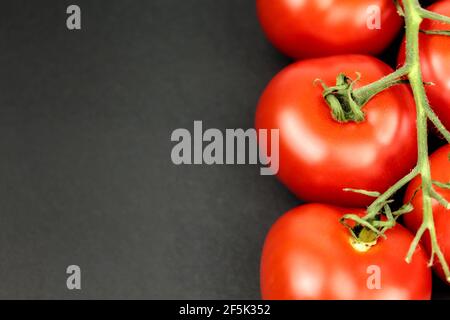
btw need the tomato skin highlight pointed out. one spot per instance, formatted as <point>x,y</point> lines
<point>307,255</point>
<point>435,62</point>
<point>317,28</point>
<point>318,156</point>
<point>440,171</point>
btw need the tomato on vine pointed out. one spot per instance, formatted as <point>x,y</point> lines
<point>315,28</point>
<point>322,151</point>
<point>308,254</point>
<point>435,62</point>
<point>440,173</point>
<point>365,134</point>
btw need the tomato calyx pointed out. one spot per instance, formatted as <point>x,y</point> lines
<point>346,102</point>
<point>365,230</point>
<point>341,100</point>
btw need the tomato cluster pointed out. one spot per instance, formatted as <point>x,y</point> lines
<point>308,253</point>
<point>435,62</point>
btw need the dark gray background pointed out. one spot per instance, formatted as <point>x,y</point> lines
<point>85,169</point>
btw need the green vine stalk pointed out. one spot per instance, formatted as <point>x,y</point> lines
<point>414,14</point>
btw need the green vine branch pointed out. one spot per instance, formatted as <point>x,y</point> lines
<point>410,72</point>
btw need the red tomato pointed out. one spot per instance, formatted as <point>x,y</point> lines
<point>440,171</point>
<point>318,156</point>
<point>315,28</point>
<point>435,62</point>
<point>308,255</point>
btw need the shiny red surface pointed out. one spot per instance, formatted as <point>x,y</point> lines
<point>307,255</point>
<point>319,156</point>
<point>314,28</point>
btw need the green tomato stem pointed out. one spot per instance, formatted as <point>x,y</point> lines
<point>436,32</point>
<point>426,14</point>
<point>379,203</point>
<point>437,123</point>
<point>364,94</point>
<point>414,15</point>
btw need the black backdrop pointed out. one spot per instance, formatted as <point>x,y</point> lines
<point>85,170</point>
